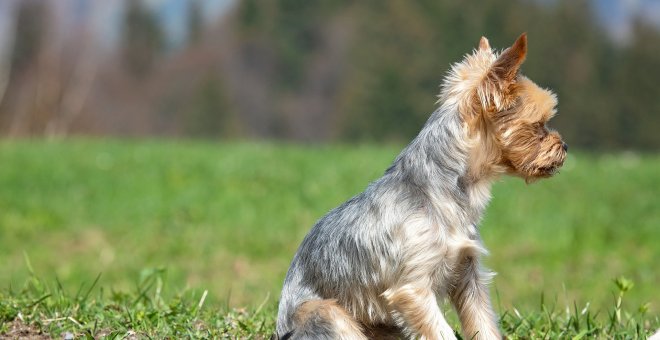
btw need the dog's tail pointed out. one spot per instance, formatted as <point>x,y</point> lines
<point>322,319</point>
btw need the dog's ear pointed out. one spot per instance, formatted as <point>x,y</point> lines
<point>497,91</point>
<point>508,63</point>
<point>484,45</point>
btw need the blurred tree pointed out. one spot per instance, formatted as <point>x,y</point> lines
<point>51,77</point>
<point>195,22</point>
<point>637,89</point>
<point>383,99</point>
<point>142,38</point>
<point>288,51</point>
<point>29,33</point>
<point>31,27</point>
<point>294,69</point>
<point>400,50</point>
<point>209,115</point>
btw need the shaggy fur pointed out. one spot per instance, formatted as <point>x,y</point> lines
<point>377,265</point>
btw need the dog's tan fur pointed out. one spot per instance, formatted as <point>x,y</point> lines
<point>330,311</point>
<point>507,115</point>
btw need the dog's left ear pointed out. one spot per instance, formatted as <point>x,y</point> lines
<point>508,63</point>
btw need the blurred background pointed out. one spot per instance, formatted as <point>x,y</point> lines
<point>200,140</point>
<point>322,71</point>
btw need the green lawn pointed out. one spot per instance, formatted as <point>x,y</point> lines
<point>227,218</point>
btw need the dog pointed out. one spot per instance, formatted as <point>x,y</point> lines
<point>376,266</point>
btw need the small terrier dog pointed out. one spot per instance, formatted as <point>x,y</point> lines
<point>376,266</point>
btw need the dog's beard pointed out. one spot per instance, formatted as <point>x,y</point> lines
<point>544,167</point>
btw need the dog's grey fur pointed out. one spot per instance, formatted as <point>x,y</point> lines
<point>386,255</point>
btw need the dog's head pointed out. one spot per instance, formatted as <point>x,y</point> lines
<point>509,113</point>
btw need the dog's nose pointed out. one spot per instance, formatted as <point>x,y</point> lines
<point>564,146</point>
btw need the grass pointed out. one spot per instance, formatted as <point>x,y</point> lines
<point>39,310</point>
<point>165,222</point>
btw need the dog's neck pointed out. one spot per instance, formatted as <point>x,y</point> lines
<point>441,162</point>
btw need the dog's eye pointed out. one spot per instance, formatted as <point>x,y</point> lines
<point>540,130</point>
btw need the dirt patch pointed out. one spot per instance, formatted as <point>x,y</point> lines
<point>19,330</point>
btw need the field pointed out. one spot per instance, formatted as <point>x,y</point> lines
<point>164,221</point>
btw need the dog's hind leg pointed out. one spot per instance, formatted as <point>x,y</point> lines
<point>323,319</point>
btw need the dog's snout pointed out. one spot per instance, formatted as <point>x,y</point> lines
<point>564,146</point>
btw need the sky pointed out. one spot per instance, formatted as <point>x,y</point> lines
<point>617,16</point>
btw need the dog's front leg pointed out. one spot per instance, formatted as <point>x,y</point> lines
<point>472,302</point>
<point>418,311</point>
